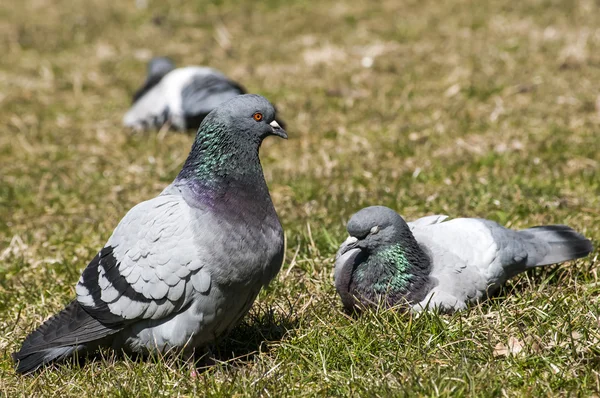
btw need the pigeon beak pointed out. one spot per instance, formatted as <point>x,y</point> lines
<point>277,130</point>
<point>348,245</point>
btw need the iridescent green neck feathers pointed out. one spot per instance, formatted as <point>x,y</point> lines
<point>387,270</point>
<point>393,274</point>
<point>219,155</point>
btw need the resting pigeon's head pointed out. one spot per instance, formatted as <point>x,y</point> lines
<point>375,226</point>
<point>159,67</point>
<point>248,116</point>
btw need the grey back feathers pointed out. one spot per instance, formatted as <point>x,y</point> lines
<point>180,269</point>
<point>432,263</point>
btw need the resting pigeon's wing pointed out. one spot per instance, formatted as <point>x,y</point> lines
<point>207,90</point>
<point>500,253</point>
<point>148,85</point>
<point>462,252</point>
<point>182,98</point>
<point>162,103</point>
<point>473,257</point>
<point>454,282</point>
<point>151,110</point>
<point>469,239</point>
<point>427,220</point>
<point>149,267</point>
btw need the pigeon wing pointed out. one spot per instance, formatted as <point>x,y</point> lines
<point>150,110</point>
<point>464,256</point>
<point>149,267</point>
<point>472,257</point>
<point>498,253</point>
<point>469,239</point>
<point>163,102</point>
<point>427,220</point>
<point>205,91</point>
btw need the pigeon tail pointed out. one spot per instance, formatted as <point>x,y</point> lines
<point>60,337</point>
<point>33,361</point>
<point>564,244</point>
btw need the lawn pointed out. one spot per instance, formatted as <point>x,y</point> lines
<point>466,108</point>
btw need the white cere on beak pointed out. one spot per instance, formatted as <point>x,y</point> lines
<point>351,240</point>
<point>375,229</point>
<point>275,125</point>
<point>344,246</point>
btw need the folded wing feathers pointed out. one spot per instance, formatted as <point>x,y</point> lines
<point>206,91</point>
<point>427,220</point>
<point>201,281</point>
<point>140,273</point>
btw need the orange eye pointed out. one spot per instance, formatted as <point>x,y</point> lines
<point>258,116</point>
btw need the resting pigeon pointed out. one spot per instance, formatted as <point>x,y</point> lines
<point>441,265</point>
<point>183,268</point>
<point>180,97</point>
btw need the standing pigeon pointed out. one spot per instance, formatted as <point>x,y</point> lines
<point>445,265</point>
<point>180,97</point>
<point>183,268</point>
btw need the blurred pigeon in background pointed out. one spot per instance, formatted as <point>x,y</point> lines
<point>183,268</point>
<point>433,264</point>
<point>179,97</point>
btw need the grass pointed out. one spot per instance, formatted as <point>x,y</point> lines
<point>487,109</point>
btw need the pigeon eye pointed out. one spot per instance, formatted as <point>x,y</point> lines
<point>258,116</point>
<point>375,229</point>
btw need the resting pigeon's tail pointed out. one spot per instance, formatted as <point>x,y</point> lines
<point>565,244</point>
<point>66,334</point>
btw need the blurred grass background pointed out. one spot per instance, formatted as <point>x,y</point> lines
<point>484,109</point>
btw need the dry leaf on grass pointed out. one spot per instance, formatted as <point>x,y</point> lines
<point>513,347</point>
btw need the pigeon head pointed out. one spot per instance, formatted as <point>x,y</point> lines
<point>248,117</point>
<point>381,261</point>
<point>227,143</point>
<point>158,67</point>
<point>376,226</point>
